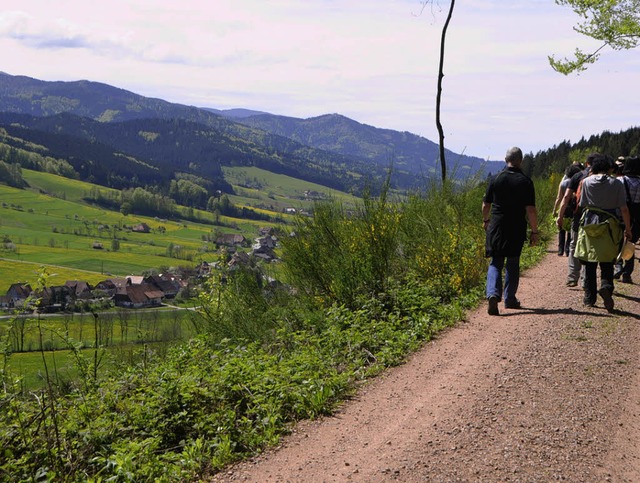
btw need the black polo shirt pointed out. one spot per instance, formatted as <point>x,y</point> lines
<point>509,193</point>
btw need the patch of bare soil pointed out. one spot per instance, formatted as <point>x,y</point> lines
<point>544,393</point>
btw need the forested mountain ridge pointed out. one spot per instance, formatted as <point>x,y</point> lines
<point>176,145</point>
<point>336,133</point>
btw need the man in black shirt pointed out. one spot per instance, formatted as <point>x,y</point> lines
<point>508,204</point>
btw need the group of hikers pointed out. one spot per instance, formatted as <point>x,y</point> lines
<point>597,213</point>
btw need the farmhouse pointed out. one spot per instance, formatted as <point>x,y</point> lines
<point>204,269</point>
<point>17,294</point>
<point>4,301</point>
<point>239,259</point>
<point>141,228</point>
<point>135,279</point>
<point>230,239</point>
<point>55,298</point>
<point>79,288</point>
<point>265,242</point>
<point>168,285</point>
<point>138,296</point>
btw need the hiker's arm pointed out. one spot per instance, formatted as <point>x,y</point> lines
<point>626,218</point>
<point>486,213</point>
<point>532,217</point>
<point>558,199</point>
<point>568,193</point>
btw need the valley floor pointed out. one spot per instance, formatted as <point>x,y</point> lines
<point>547,392</point>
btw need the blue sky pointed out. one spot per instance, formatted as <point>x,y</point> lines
<point>374,61</point>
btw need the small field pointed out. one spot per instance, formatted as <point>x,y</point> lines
<point>119,332</point>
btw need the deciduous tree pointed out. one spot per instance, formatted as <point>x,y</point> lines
<point>615,23</point>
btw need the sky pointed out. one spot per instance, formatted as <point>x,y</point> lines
<point>374,61</point>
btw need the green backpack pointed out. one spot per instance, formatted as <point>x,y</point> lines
<point>599,241</point>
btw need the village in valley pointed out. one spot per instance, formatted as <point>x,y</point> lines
<point>142,291</point>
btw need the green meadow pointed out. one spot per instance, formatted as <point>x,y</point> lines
<point>33,345</point>
<point>257,188</point>
<point>50,225</point>
<point>110,328</point>
<point>75,240</point>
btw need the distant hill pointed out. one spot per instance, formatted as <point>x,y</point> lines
<point>331,150</point>
<point>339,134</point>
<point>238,113</point>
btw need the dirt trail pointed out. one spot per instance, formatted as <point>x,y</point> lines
<point>547,392</point>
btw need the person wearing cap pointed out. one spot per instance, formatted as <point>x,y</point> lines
<point>509,202</point>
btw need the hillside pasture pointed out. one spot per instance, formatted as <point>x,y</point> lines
<point>50,224</point>
<point>60,187</point>
<point>46,231</point>
<point>259,188</point>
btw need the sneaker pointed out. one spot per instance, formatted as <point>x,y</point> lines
<point>605,293</point>
<point>512,304</point>
<point>617,275</point>
<point>572,283</point>
<point>493,306</point>
<point>626,278</point>
<point>588,303</point>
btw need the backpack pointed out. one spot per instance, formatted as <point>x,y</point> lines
<point>599,236</point>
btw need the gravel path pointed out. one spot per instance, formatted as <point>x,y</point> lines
<point>549,392</point>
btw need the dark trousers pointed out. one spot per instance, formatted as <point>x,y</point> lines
<point>591,279</point>
<point>564,240</point>
<point>624,267</point>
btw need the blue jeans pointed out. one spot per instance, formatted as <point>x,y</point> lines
<point>511,278</point>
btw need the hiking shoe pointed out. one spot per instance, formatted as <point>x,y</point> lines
<point>626,278</point>
<point>493,306</point>
<point>605,293</point>
<point>512,304</point>
<point>572,283</point>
